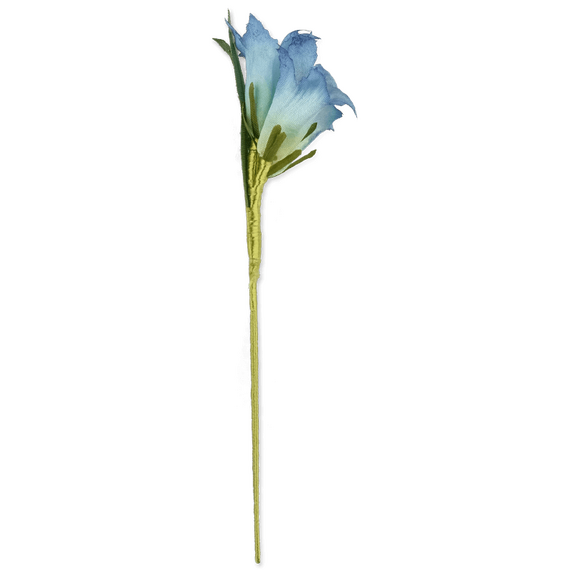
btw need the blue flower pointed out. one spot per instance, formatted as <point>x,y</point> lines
<point>289,90</point>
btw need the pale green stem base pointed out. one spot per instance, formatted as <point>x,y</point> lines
<point>257,176</point>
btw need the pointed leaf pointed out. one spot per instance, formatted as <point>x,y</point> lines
<point>245,145</point>
<point>240,84</point>
<point>224,45</point>
<point>246,124</point>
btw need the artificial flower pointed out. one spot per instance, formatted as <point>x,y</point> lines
<point>288,90</point>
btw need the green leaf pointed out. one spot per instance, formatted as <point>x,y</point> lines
<point>224,45</point>
<point>310,131</point>
<point>246,123</point>
<point>240,85</point>
<point>244,146</point>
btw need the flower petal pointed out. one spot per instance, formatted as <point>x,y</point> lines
<point>302,49</point>
<point>237,37</point>
<point>262,65</point>
<point>337,97</point>
<point>324,119</point>
<point>294,105</point>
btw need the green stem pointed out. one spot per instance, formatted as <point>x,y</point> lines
<point>257,176</point>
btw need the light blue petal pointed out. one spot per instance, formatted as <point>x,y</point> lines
<point>237,37</point>
<point>294,105</point>
<point>337,97</point>
<point>302,49</point>
<point>324,119</point>
<point>261,54</point>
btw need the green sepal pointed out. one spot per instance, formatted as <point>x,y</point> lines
<point>271,139</point>
<point>274,142</point>
<point>310,131</point>
<point>253,112</point>
<point>271,154</point>
<point>224,45</point>
<point>306,157</point>
<point>284,162</point>
<point>246,124</point>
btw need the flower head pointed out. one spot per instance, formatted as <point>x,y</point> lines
<point>290,101</point>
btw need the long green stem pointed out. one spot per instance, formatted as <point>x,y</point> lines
<point>257,176</point>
